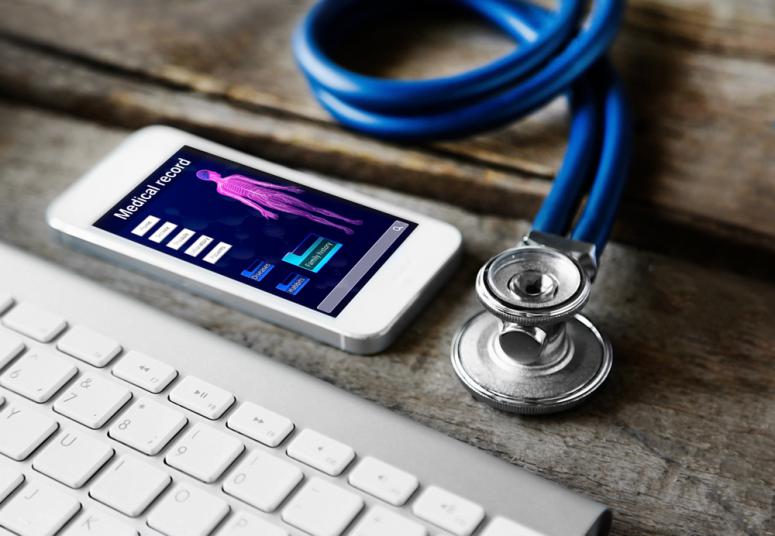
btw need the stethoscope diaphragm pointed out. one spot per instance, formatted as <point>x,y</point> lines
<point>530,351</point>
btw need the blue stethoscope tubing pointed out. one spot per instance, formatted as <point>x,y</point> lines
<point>559,51</point>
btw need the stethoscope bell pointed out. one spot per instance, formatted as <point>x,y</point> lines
<point>530,351</point>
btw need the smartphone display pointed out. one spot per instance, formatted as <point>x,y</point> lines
<point>284,238</point>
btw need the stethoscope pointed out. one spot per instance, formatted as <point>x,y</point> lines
<point>530,351</point>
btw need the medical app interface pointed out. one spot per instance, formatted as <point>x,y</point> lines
<point>290,240</point>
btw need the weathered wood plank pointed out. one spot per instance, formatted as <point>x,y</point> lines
<point>702,90</point>
<point>740,28</point>
<point>679,442</point>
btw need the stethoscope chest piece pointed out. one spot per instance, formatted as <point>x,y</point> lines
<point>530,351</point>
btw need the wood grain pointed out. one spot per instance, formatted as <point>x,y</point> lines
<point>700,74</point>
<point>679,442</point>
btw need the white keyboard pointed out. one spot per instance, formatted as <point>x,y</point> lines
<point>118,420</point>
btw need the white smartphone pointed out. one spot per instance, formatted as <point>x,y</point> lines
<point>290,248</point>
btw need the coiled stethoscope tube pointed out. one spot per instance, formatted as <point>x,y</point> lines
<point>559,51</point>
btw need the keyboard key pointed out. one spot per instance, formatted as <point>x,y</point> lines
<point>187,511</point>
<point>262,480</point>
<point>245,524</point>
<point>147,426</point>
<point>383,481</point>
<point>503,527</point>
<point>10,346</point>
<point>10,478</point>
<point>448,511</point>
<point>260,424</point>
<point>144,371</point>
<point>38,375</point>
<point>380,521</point>
<point>204,453</point>
<point>72,458</point>
<point>322,509</point>
<point>23,430</point>
<point>201,397</point>
<point>91,400</point>
<point>321,452</point>
<point>38,510</point>
<point>5,301</point>
<point>96,523</point>
<point>89,346</point>
<point>34,322</point>
<point>129,486</point>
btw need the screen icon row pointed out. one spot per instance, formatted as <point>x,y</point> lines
<point>181,239</point>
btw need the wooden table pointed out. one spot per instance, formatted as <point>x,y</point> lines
<point>682,438</point>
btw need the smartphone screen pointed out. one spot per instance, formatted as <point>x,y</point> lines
<point>287,239</point>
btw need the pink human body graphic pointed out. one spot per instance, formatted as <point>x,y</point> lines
<point>268,199</point>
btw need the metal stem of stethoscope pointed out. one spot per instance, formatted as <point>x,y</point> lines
<point>531,351</point>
